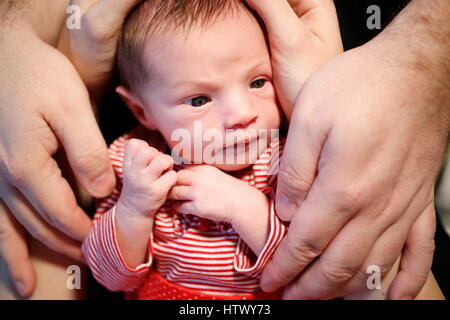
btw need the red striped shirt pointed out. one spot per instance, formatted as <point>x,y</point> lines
<point>190,251</point>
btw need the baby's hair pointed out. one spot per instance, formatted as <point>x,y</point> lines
<point>151,17</point>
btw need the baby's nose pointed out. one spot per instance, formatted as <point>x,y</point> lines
<point>239,115</point>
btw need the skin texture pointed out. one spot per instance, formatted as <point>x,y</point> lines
<point>373,123</point>
<point>41,113</point>
<point>31,42</point>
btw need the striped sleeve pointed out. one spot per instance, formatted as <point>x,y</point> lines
<point>245,260</point>
<point>103,256</point>
<point>100,247</point>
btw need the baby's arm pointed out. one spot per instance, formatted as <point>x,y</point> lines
<point>145,188</point>
<point>210,193</point>
<point>117,243</point>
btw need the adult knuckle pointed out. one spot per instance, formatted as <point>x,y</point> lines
<point>348,198</point>
<point>90,157</point>
<point>15,170</point>
<point>428,246</point>
<point>283,275</point>
<point>4,234</point>
<point>303,251</point>
<point>337,273</point>
<point>292,178</point>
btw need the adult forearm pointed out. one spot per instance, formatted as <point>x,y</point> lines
<point>425,28</point>
<point>415,49</point>
<point>44,18</point>
<point>421,36</point>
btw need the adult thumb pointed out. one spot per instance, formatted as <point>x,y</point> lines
<point>299,162</point>
<point>86,150</point>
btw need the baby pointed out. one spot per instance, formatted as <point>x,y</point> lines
<point>197,75</point>
<point>207,229</point>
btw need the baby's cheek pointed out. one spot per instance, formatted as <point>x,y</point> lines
<point>270,109</point>
<point>271,113</point>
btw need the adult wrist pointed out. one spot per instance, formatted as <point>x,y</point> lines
<point>414,50</point>
<point>43,19</point>
<point>419,39</point>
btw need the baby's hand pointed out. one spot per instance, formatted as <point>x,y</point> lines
<point>147,178</point>
<point>209,193</point>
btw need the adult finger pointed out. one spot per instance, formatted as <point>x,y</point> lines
<point>298,166</point>
<point>281,21</point>
<point>319,218</point>
<point>385,252</point>
<point>117,10</point>
<point>50,195</point>
<point>417,257</point>
<point>36,227</point>
<point>319,16</point>
<point>76,128</point>
<point>383,255</point>
<point>14,253</point>
<point>344,257</point>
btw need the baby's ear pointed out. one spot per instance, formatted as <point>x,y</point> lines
<point>135,105</point>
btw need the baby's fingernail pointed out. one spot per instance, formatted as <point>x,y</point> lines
<point>407,298</point>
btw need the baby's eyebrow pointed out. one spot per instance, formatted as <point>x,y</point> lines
<point>183,84</point>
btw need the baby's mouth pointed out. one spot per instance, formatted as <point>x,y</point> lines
<point>243,145</point>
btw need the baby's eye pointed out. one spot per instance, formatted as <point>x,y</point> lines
<point>258,83</point>
<point>197,101</point>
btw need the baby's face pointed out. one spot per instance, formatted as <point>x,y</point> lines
<point>217,80</point>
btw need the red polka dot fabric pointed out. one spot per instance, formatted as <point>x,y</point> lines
<point>158,288</point>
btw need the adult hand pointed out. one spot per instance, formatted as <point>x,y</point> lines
<point>44,105</point>
<point>303,35</point>
<point>92,48</point>
<point>357,175</point>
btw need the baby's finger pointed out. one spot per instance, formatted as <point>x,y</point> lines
<point>145,156</point>
<point>166,181</point>
<point>185,177</point>
<point>131,149</point>
<point>180,193</point>
<point>159,164</point>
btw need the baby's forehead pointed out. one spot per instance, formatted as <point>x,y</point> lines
<point>234,39</point>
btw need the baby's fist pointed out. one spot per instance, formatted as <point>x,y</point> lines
<point>147,178</point>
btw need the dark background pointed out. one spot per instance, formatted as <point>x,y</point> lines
<point>352,18</point>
